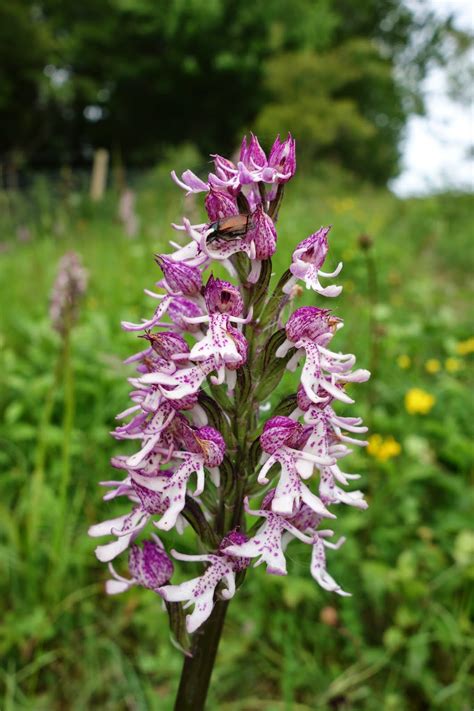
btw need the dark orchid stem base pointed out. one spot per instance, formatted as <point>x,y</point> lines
<point>197,670</point>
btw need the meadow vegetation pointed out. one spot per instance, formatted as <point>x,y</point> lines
<point>402,641</point>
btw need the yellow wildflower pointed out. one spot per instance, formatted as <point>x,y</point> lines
<point>403,361</point>
<point>418,401</point>
<point>382,448</point>
<point>452,365</point>
<point>433,366</point>
<point>375,442</point>
<point>465,347</point>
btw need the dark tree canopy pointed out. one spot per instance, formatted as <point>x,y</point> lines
<point>138,75</point>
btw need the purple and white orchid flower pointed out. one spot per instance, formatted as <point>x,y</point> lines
<point>199,398</point>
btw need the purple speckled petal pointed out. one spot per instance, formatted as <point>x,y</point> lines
<point>235,538</point>
<point>179,276</point>
<point>265,545</point>
<point>212,445</point>
<point>309,322</point>
<point>220,204</point>
<point>150,566</point>
<point>217,343</point>
<point>291,491</point>
<point>200,591</point>
<point>181,307</point>
<point>175,489</point>
<point>332,494</point>
<point>278,431</point>
<point>166,343</point>
<point>156,318</point>
<point>319,572</point>
<point>262,233</point>
<point>241,346</point>
<point>184,382</point>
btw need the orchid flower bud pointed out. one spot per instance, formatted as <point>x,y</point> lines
<point>282,158</point>
<point>180,277</point>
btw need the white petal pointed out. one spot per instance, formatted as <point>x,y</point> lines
<point>114,587</point>
<point>105,528</point>
<point>109,551</point>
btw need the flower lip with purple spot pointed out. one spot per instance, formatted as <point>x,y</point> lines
<point>223,297</point>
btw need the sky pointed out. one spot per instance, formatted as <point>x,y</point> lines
<point>436,146</point>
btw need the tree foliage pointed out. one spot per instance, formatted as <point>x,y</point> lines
<point>137,75</point>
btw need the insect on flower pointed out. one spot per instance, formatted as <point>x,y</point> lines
<point>229,228</point>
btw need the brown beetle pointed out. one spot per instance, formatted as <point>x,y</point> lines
<point>229,228</point>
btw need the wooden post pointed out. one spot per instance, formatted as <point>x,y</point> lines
<point>99,174</point>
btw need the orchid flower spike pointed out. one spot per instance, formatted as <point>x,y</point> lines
<point>207,449</point>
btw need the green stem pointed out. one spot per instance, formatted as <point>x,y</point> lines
<point>37,478</point>
<point>197,669</point>
<point>68,423</point>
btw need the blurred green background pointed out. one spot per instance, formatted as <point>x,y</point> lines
<point>159,85</point>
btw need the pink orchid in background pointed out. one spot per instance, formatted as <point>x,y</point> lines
<point>204,459</point>
<point>67,293</point>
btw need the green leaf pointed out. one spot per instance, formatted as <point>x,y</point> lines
<point>286,406</point>
<point>177,620</point>
<point>269,367</point>
<point>215,416</point>
<point>276,301</point>
<point>243,387</point>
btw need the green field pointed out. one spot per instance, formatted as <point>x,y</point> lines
<point>402,641</point>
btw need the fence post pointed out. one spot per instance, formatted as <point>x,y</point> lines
<point>99,174</point>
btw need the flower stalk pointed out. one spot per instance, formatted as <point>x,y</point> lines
<point>67,292</point>
<point>207,454</point>
<point>198,665</point>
